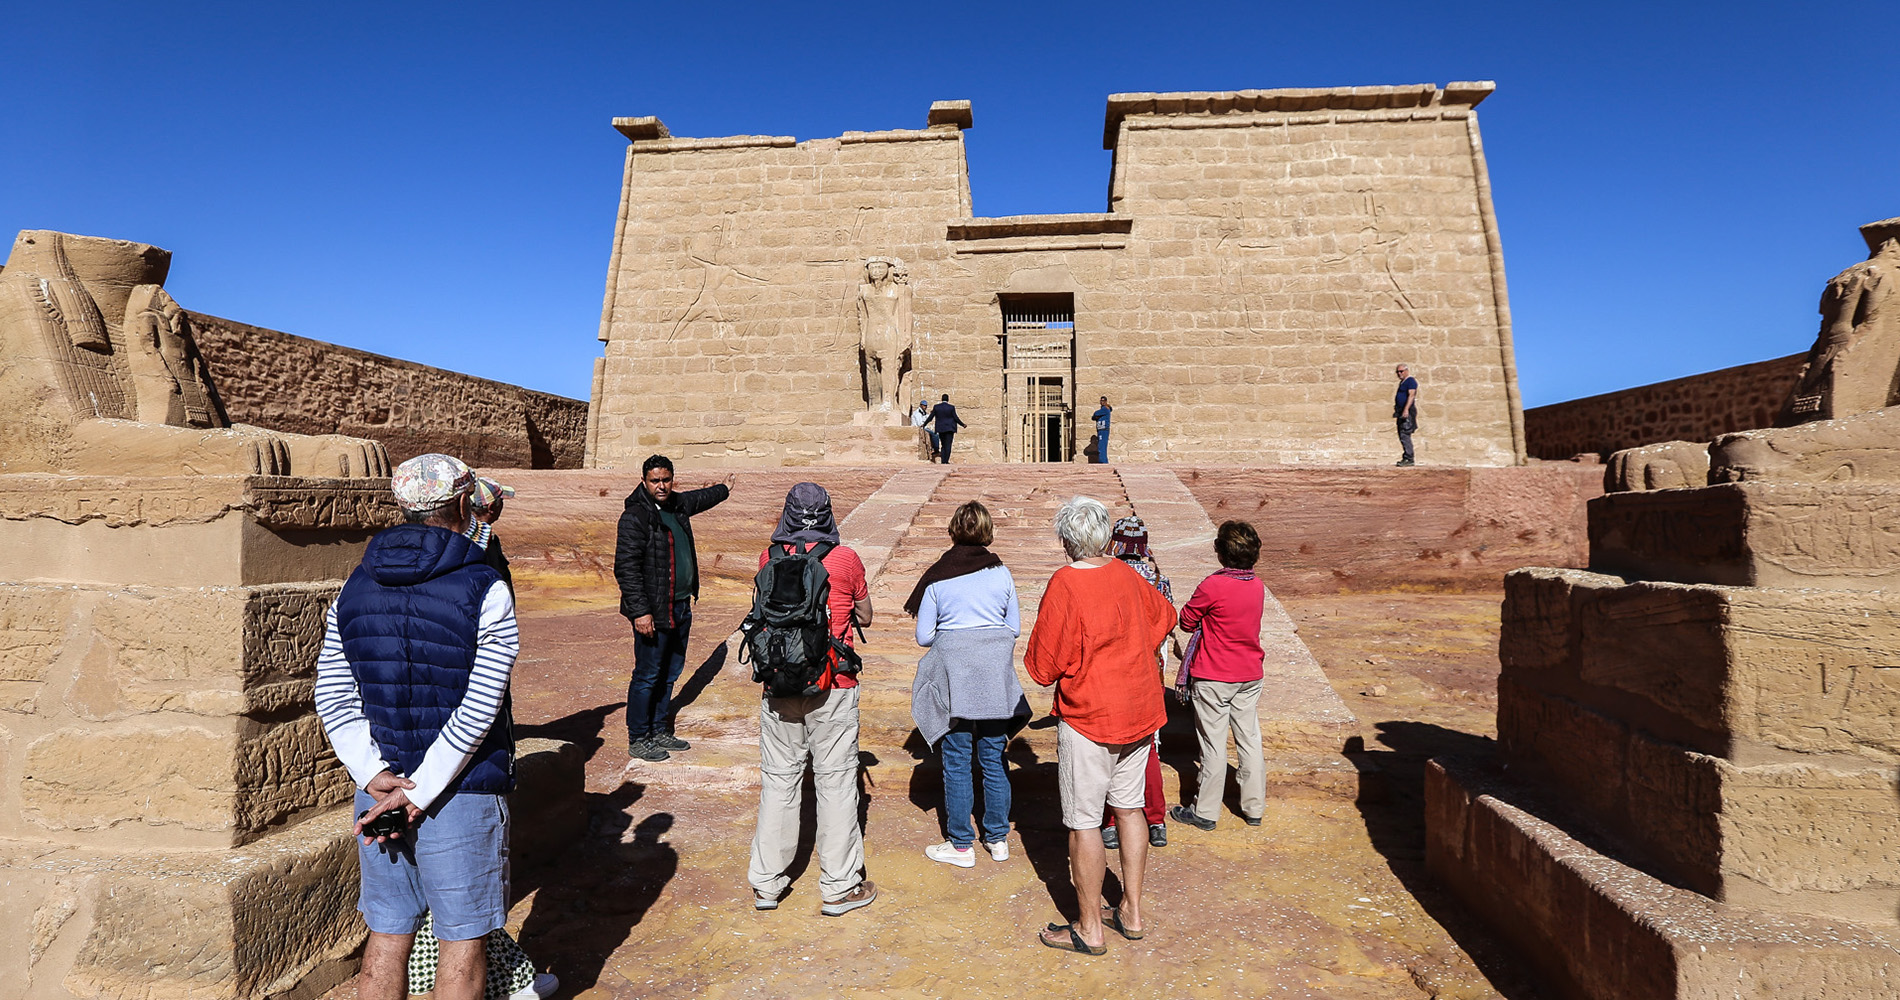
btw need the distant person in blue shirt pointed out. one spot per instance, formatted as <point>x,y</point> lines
<point>1405,410</point>
<point>1101,417</point>
<point>945,417</point>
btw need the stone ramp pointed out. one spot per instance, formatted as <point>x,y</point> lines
<point>1303,723</point>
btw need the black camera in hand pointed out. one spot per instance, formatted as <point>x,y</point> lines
<point>393,823</point>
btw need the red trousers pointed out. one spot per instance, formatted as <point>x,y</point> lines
<point>1155,806</point>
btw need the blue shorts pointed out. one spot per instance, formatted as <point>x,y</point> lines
<point>453,863</point>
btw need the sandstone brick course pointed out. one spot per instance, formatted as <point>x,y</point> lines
<point>1696,408</point>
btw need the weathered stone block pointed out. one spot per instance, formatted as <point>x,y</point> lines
<point>83,780</point>
<point>1817,836</point>
<point>193,925</point>
<point>1841,536</point>
<point>1600,929</point>
<point>1746,673</point>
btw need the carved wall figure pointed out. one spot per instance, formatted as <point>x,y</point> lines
<point>99,374</point>
<point>884,328</point>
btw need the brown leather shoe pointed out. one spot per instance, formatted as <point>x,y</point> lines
<point>865,892</point>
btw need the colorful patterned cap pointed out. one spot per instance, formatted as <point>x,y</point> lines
<point>426,482</point>
<point>486,493</point>
<point>1129,538</point>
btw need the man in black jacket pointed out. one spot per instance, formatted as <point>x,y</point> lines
<point>658,571</point>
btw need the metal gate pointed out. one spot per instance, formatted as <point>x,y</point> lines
<point>1039,379</point>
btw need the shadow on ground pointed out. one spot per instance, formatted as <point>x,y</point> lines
<point>1392,803</point>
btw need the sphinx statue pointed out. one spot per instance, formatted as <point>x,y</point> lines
<point>100,375</point>
<point>1841,421</point>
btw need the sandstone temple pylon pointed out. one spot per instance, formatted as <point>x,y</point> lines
<point>1264,260</point>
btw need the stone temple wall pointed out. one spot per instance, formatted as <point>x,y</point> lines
<point>293,384</point>
<point>1696,408</point>
<point>1267,257</point>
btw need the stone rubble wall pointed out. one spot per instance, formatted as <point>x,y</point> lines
<point>1696,408</point>
<point>1245,300</point>
<point>283,382</point>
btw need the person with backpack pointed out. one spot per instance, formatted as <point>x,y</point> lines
<point>966,699</point>
<point>809,593</point>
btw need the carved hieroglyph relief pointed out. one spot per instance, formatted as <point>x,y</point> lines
<point>884,328</point>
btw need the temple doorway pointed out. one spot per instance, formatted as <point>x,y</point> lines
<point>1038,343</point>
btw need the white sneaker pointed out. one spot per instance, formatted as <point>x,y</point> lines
<point>999,851</point>
<point>949,855</point>
<point>543,987</point>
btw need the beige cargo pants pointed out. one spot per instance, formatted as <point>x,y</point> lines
<point>823,728</point>
<point>1221,706</point>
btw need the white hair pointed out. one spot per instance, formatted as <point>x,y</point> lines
<point>1083,526</point>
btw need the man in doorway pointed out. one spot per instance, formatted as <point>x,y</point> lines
<point>944,416</point>
<point>1405,411</point>
<point>658,571</point>
<point>1101,417</point>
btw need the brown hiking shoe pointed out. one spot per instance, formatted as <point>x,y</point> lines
<point>860,896</point>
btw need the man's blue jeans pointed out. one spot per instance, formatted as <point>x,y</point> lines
<point>1101,447</point>
<point>986,737</point>
<point>657,664</point>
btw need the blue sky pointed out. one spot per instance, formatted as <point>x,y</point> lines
<point>1674,183</point>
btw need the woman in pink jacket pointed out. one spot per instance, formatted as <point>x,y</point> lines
<point>1224,676</point>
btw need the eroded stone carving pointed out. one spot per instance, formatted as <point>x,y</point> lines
<point>884,327</point>
<point>99,373</point>
<point>1853,364</point>
<point>1836,425</point>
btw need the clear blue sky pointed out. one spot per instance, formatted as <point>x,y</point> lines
<point>438,182</point>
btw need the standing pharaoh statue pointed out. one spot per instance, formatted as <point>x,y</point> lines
<point>884,329</point>
<point>100,374</point>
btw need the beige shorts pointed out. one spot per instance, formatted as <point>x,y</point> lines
<point>1091,774</point>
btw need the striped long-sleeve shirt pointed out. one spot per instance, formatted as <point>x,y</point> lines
<point>340,703</point>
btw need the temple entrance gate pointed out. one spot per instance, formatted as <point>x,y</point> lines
<point>1038,343</point>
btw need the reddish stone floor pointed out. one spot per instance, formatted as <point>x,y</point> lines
<point>1326,899</point>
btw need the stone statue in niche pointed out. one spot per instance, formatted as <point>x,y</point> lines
<point>884,330</point>
<point>1840,423</point>
<point>100,375</point>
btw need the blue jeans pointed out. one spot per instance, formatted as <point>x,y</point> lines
<point>657,664</point>
<point>1101,448</point>
<point>452,863</point>
<point>959,796</point>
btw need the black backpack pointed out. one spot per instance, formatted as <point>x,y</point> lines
<point>787,637</point>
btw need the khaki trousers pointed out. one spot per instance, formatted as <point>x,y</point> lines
<point>824,728</point>
<point>1220,706</point>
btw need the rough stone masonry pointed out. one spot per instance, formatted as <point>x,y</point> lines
<point>1265,259</point>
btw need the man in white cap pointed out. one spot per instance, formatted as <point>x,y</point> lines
<point>411,683</point>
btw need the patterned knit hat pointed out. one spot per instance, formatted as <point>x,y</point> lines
<point>1130,538</point>
<point>426,482</point>
<point>486,493</point>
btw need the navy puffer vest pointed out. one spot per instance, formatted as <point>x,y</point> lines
<point>408,618</point>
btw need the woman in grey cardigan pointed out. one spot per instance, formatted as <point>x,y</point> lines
<point>966,699</point>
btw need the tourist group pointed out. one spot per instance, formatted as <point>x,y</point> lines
<point>413,677</point>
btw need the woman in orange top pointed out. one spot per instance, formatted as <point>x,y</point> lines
<point>1096,633</point>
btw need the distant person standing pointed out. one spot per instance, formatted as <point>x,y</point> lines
<point>945,417</point>
<point>658,572</point>
<point>920,419</point>
<point>1101,417</point>
<point>1405,411</point>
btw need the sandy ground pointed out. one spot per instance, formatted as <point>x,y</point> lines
<point>1327,898</point>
